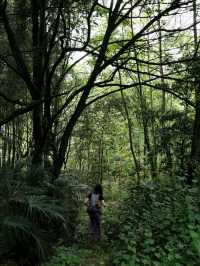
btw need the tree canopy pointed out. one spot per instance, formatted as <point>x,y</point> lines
<point>102,91</point>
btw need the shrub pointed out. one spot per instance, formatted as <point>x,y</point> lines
<point>160,225</point>
<point>71,256</point>
<point>33,218</point>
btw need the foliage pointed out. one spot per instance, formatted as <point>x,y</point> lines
<point>159,225</point>
<point>32,218</point>
<point>110,91</point>
<point>153,223</point>
<point>72,256</point>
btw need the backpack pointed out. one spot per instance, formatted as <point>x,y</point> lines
<point>93,204</point>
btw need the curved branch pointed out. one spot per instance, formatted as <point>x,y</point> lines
<point>124,87</point>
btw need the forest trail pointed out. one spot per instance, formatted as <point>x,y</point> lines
<point>84,252</point>
<point>97,259</point>
<point>98,253</point>
<point>80,255</point>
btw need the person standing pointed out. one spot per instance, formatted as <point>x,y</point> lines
<point>94,202</point>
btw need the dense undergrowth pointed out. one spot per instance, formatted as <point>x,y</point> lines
<point>35,214</point>
<point>153,223</point>
<point>159,225</point>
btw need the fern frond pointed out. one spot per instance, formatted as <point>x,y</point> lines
<point>21,232</point>
<point>43,206</point>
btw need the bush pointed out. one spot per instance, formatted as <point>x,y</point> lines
<point>160,225</point>
<point>33,218</point>
<point>71,256</point>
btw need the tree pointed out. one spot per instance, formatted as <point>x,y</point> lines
<point>56,34</point>
<point>195,146</point>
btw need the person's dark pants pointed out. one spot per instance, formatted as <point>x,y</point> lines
<point>95,225</point>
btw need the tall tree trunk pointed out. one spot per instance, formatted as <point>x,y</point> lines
<point>195,146</point>
<point>147,144</point>
<point>4,148</point>
<point>60,156</point>
<point>163,102</point>
<point>101,154</point>
<point>14,143</point>
<point>38,39</point>
<point>152,121</point>
<point>130,133</point>
<point>166,148</point>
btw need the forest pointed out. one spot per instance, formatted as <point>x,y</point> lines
<point>101,93</point>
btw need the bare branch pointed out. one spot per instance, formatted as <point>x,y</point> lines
<point>144,83</point>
